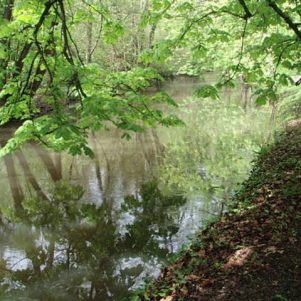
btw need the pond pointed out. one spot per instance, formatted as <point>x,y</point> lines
<point>75,228</point>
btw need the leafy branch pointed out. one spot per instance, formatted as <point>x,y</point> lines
<point>293,26</point>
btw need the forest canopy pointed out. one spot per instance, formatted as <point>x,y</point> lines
<point>71,66</point>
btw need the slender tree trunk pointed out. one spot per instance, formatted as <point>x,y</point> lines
<point>245,97</point>
<point>273,104</point>
<point>152,35</point>
<point>89,49</point>
<point>7,14</point>
<point>8,10</point>
<point>245,88</point>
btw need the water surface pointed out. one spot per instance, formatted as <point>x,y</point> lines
<point>75,228</point>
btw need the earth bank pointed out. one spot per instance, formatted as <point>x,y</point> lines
<point>254,251</point>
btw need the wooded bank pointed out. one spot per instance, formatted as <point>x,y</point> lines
<point>254,251</point>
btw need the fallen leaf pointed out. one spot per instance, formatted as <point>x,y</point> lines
<point>239,258</point>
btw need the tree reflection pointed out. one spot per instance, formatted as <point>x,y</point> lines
<point>154,223</point>
<point>74,249</point>
<point>65,241</point>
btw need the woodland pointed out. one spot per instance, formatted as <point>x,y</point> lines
<point>150,150</point>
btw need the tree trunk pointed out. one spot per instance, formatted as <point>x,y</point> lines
<point>89,49</point>
<point>152,35</point>
<point>8,10</point>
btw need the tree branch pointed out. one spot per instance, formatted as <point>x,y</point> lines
<point>248,13</point>
<point>243,35</point>
<point>293,26</point>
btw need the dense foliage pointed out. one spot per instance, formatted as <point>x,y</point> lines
<point>57,95</point>
<point>70,66</point>
<point>258,40</point>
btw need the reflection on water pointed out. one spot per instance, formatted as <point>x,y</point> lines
<point>74,228</point>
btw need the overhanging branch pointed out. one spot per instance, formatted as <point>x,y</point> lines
<point>293,26</point>
<point>248,13</point>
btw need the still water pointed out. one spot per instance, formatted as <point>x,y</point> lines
<point>75,228</point>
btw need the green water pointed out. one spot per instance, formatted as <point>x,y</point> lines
<point>73,228</point>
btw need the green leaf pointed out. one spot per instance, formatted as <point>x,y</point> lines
<point>261,100</point>
<point>207,91</point>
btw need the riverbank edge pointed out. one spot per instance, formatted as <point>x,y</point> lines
<point>254,251</point>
